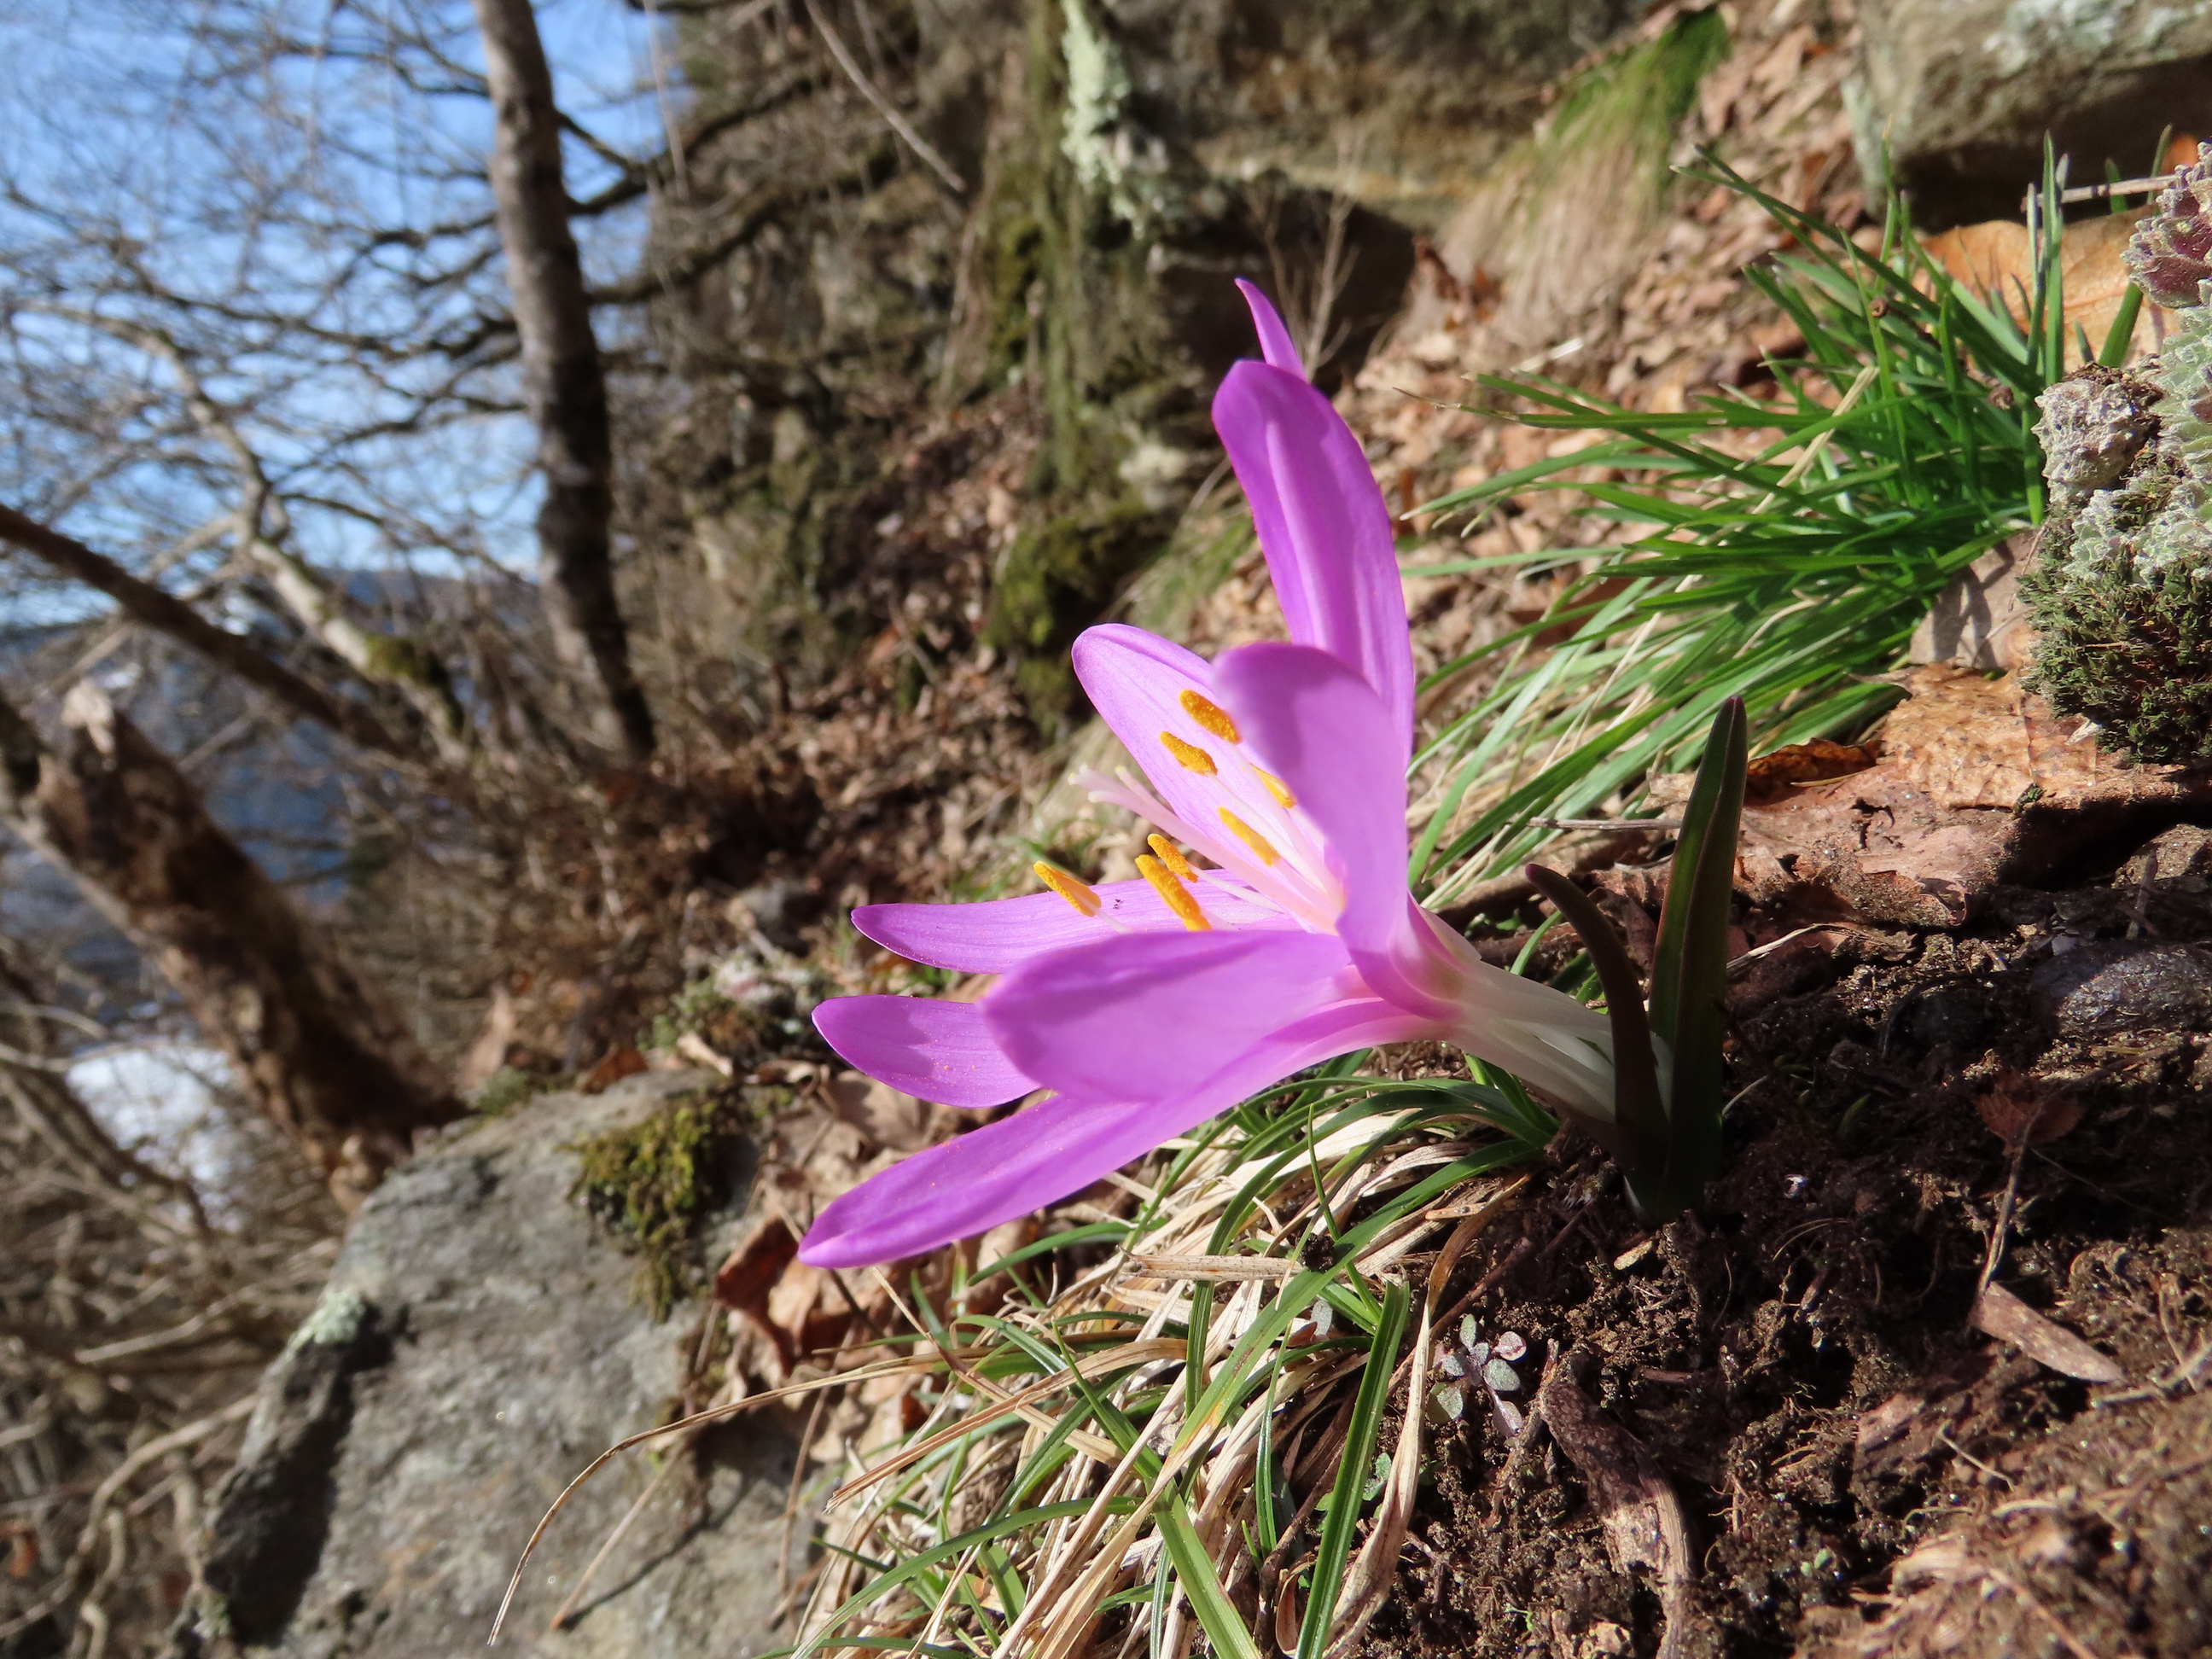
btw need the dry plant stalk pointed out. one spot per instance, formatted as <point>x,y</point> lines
<point>1147,1438</point>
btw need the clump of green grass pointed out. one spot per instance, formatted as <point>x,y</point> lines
<point>1899,449</point>
<point>1211,1413</point>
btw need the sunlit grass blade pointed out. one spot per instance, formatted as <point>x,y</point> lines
<point>1779,547</point>
<point>1333,1551</point>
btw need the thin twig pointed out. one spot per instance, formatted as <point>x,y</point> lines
<point>560,1619</point>
<point>713,1415</point>
<point>791,1497</point>
<point>2001,1232</point>
<point>898,123</point>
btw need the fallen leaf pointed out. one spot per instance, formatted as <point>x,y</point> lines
<point>619,1064</point>
<point>1771,777</point>
<point>1977,781</point>
<point>881,1113</point>
<point>2001,1313</point>
<point>1995,257</point>
<point>743,1282</point>
<point>2021,1114</point>
<point>694,1047</point>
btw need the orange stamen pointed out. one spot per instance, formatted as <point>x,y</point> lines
<point>1190,756</point>
<point>1171,855</point>
<point>1284,797</point>
<point>1080,895</point>
<point>1251,837</point>
<point>1211,715</point>
<point>1176,897</point>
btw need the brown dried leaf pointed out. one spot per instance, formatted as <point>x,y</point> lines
<point>1976,779</point>
<point>881,1113</point>
<point>743,1281</point>
<point>2021,1114</point>
<point>1771,777</point>
<point>2001,1313</point>
<point>619,1064</point>
<point>1970,740</point>
<point>1995,257</point>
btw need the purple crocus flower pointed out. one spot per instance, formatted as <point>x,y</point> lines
<point>1147,1007</point>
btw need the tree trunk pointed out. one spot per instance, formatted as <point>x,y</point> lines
<point>563,381</point>
<point>314,1044</point>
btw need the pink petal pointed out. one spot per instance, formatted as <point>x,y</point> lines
<point>1060,1145</point>
<point>1134,680</point>
<point>940,1051</point>
<point>998,935</point>
<point>1324,529</point>
<point>1152,1018</point>
<point>970,1184</point>
<point>1318,725</point>
<point>1275,343</point>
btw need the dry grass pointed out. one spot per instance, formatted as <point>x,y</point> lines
<point>1171,1422</point>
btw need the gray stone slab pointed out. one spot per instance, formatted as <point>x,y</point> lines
<point>1961,93</point>
<point>478,1345</point>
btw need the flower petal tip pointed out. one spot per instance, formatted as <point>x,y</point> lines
<point>1275,343</point>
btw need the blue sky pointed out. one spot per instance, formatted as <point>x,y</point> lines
<point>117,130</point>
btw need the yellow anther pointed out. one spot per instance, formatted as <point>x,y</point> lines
<point>1080,895</point>
<point>1171,855</point>
<point>1283,796</point>
<point>1251,837</point>
<point>1176,897</point>
<point>1190,756</point>
<point>1211,715</point>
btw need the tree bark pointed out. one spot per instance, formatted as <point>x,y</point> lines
<point>564,383</point>
<point>314,1044</point>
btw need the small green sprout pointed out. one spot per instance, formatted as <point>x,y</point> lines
<point>1665,1131</point>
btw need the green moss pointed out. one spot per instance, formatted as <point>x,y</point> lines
<point>1634,100</point>
<point>1056,580</point>
<point>507,1089</point>
<point>650,1184</point>
<point>699,1009</point>
<point>396,658</point>
<point>2121,590</point>
<point>2129,648</point>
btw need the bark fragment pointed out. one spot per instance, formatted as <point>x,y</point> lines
<point>315,1044</point>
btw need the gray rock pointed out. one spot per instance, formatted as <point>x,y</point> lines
<point>1963,91</point>
<point>2104,989</point>
<point>478,1345</point>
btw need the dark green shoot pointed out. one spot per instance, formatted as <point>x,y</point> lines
<point>1665,1128</point>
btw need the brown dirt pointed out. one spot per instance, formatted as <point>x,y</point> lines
<point>1862,1473</point>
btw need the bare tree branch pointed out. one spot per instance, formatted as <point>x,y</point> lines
<point>898,123</point>
<point>163,611</point>
<point>261,529</point>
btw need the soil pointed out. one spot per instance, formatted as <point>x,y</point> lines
<point>1862,1471</point>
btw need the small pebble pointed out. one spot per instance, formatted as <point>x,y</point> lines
<point>2105,989</point>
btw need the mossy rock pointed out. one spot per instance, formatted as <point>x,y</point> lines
<point>652,1183</point>
<point>1059,578</point>
<point>2131,650</point>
